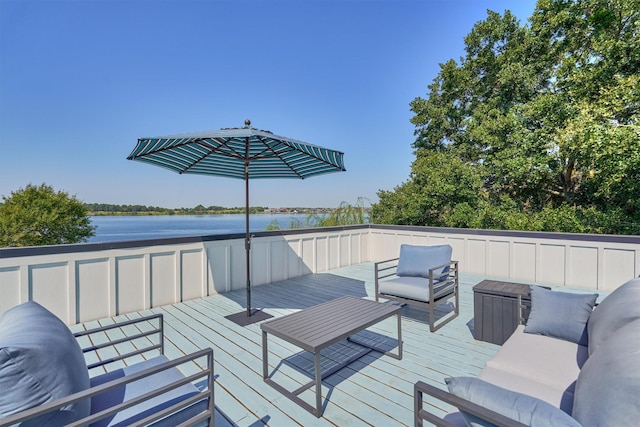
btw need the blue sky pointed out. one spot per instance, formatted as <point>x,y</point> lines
<point>81,81</point>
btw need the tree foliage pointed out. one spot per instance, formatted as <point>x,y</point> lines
<point>546,115</point>
<point>38,215</point>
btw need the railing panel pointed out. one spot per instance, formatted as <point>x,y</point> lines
<point>278,260</point>
<point>93,287</point>
<point>192,274</point>
<point>523,261</point>
<point>499,258</point>
<point>551,264</point>
<point>618,265</point>
<point>10,279</point>
<point>476,256</point>
<point>51,286</point>
<point>260,271</point>
<point>322,254</point>
<point>218,272</point>
<point>582,266</point>
<point>84,282</point>
<point>164,284</point>
<point>132,283</point>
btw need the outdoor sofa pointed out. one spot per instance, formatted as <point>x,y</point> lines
<point>45,380</point>
<point>571,365</point>
<point>423,276</point>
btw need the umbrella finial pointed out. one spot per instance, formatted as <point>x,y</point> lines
<point>247,123</point>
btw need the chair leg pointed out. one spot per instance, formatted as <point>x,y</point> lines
<point>432,326</point>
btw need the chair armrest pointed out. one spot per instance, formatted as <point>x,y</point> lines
<point>144,339</point>
<point>384,269</point>
<point>453,268</point>
<point>420,414</point>
<point>122,381</point>
<point>381,267</point>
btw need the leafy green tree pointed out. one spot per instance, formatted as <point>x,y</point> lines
<point>546,114</point>
<point>38,215</point>
<point>438,182</point>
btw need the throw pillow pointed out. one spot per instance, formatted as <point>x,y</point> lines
<point>416,261</point>
<point>560,314</point>
<point>619,308</point>
<point>517,406</point>
<point>40,361</point>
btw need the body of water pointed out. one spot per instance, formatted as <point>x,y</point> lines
<point>119,228</point>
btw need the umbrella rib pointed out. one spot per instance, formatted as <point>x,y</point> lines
<point>278,155</point>
<point>293,148</point>
<point>207,145</point>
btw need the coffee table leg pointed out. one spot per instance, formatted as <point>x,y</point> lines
<point>318,384</point>
<point>265,356</point>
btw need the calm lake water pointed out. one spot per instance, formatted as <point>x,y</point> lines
<point>118,228</point>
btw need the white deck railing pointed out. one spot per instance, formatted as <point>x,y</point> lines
<point>90,281</point>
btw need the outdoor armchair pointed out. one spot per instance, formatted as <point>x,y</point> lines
<point>51,376</point>
<point>423,276</point>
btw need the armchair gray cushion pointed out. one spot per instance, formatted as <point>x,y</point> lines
<point>618,309</point>
<point>135,389</point>
<point>520,407</point>
<point>560,314</point>
<point>416,261</point>
<point>40,361</point>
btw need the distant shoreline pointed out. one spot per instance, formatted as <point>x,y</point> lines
<point>103,209</point>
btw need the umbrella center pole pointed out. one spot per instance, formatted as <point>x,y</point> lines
<point>247,239</point>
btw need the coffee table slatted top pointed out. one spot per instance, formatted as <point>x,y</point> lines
<point>325,324</point>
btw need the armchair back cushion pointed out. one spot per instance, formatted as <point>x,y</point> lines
<point>618,309</point>
<point>416,261</point>
<point>40,361</point>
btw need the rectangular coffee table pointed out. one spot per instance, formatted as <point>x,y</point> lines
<point>318,327</point>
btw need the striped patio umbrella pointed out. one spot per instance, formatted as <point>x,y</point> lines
<point>243,153</point>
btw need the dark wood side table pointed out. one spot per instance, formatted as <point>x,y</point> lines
<point>496,313</point>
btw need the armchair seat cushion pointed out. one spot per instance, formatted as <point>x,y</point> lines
<point>148,407</point>
<point>415,288</point>
<point>40,361</point>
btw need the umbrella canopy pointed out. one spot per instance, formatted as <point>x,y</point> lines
<point>227,152</point>
<point>243,153</point>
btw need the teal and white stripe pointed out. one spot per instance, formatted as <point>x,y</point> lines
<point>226,151</point>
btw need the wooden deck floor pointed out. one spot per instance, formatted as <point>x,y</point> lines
<point>374,390</point>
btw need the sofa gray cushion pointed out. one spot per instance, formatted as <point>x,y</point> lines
<point>559,397</point>
<point>520,407</point>
<point>416,261</point>
<point>551,361</point>
<point>40,361</point>
<point>609,384</point>
<point>619,308</point>
<point>560,314</point>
